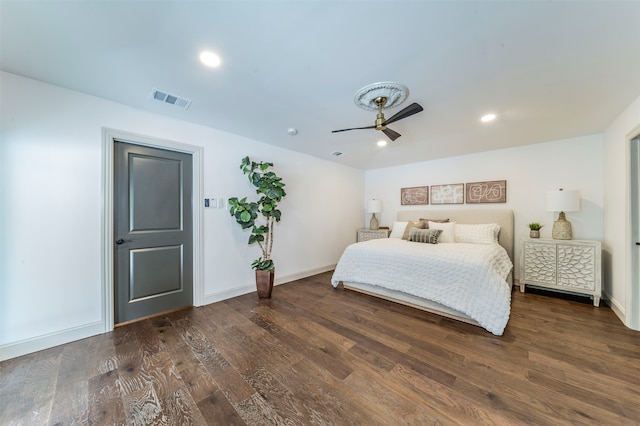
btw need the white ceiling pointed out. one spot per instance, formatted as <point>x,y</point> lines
<point>549,69</point>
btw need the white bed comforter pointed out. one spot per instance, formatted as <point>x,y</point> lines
<point>470,278</point>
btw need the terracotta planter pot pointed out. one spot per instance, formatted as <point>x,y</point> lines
<point>264,283</point>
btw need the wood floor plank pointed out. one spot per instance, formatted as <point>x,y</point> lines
<point>536,397</point>
<point>13,373</point>
<point>26,388</point>
<point>326,398</point>
<point>362,321</point>
<point>227,379</point>
<point>70,403</point>
<point>461,408</point>
<point>179,408</point>
<point>374,393</point>
<point>622,408</point>
<point>320,352</point>
<point>304,328</point>
<point>256,411</point>
<point>317,355</point>
<point>35,400</point>
<point>105,403</point>
<point>503,403</point>
<point>216,410</point>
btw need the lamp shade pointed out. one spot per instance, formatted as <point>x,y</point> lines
<point>374,206</point>
<point>563,201</point>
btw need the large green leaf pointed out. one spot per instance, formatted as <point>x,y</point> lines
<point>255,238</point>
<point>263,265</point>
<point>245,216</point>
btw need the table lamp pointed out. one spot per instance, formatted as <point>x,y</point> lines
<point>562,201</point>
<point>374,206</point>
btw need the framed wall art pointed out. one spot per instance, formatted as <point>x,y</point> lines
<point>447,194</point>
<point>494,191</point>
<point>414,196</point>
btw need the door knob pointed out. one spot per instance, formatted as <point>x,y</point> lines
<point>121,241</point>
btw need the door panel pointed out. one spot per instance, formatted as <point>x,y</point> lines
<point>153,231</point>
<point>155,272</point>
<point>155,194</point>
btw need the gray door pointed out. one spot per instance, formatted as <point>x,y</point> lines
<point>152,231</point>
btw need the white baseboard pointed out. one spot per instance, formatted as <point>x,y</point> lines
<point>248,288</point>
<point>46,341</point>
<point>227,294</point>
<point>615,307</point>
<point>305,274</point>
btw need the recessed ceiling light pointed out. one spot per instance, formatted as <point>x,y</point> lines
<point>382,143</point>
<point>210,59</point>
<point>487,118</point>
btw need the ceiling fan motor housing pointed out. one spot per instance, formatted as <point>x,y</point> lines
<point>380,120</point>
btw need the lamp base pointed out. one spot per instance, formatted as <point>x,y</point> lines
<point>374,222</point>
<point>561,228</point>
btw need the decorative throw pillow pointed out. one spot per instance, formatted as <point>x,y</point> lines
<point>419,225</point>
<point>398,229</point>
<point>426,221</point>
<point>485,233</point>
<point>429,236</point>
<point>447,228</point>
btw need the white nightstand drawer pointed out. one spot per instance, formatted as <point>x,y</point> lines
<point>372,234</point>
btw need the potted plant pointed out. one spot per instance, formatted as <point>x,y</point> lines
<point>534,230</point>
<point>248,213</point>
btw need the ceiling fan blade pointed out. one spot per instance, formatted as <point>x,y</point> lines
<point>391,134</point>
<point>353,128</point>
<point>407,112</point>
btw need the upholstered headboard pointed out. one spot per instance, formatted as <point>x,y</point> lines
<point>504,218</point>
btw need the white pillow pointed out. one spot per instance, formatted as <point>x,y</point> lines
<point>448,228</point>
<point>486,233</point>
<point>398,229</point>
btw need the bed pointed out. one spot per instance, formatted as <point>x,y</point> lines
<point>465,281</point>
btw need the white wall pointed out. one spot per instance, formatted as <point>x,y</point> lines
<point>529,170</point>
<point>50,216</point>
<point>617,243</point>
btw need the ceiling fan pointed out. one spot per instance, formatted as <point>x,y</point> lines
<point>381,122</point>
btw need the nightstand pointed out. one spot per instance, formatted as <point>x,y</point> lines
<point>372,234</point>
<point>572,266</point>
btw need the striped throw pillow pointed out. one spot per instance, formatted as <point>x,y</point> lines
<point>429,236</point>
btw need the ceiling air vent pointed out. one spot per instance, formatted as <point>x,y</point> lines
<point>336,153</point>
<point>170,99</point>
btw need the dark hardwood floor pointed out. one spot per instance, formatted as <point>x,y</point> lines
<point>315,355</point>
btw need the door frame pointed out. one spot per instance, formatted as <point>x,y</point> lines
<point>107,258</point>
<point>632,308</point>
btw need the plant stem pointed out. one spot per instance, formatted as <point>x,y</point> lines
<point>270,222</point>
